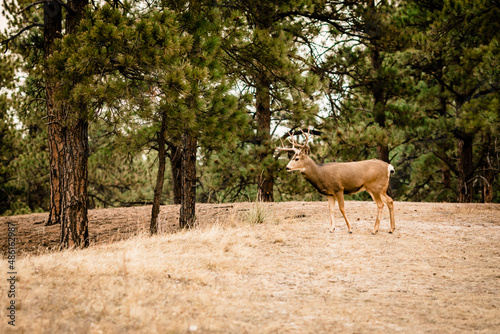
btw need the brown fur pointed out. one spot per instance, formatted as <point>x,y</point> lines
<point>338,178</point>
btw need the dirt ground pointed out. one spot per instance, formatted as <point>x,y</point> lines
<point>439,272</point>
<point>106,225</point>
<point>110,225</point>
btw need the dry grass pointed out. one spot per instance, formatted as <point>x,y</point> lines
<point>281,273</point>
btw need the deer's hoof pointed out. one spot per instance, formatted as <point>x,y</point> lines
<point>374,232</point>
<point>350,232</point>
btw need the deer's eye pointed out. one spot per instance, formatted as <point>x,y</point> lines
<point>296,159</point>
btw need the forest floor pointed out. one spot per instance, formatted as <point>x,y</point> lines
<point>438,273</point>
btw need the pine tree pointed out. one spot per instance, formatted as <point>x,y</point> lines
<point>363,80</point>
<point>28,186</point>
<point>139,60</point>
<point>266,62</point>
<point>457,50</point>
<point>9,138</point>
<point>74,88</point>
<point>51,32</point>
<point>67,123</point>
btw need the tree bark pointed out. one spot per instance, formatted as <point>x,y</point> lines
<point>188,204</point>
<point>52,30</point>
<point>75,149</point>
<point>383,151</point>
<point>74,179</point>
<point>153,226</point>
<point>74,14</point>
<point>263,106</point>
<point>379,108</point>
<point>379,103</point>
<point>446,177</point>
<point>465,168</point>
<point>176,168</point>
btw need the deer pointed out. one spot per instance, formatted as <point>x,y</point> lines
<point>336,179</point>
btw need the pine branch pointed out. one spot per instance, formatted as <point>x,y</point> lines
<point>10,39</point>
<point>482,93</point>
<point>31,5</point>
<point>43,2</point>
<point>327,18</point>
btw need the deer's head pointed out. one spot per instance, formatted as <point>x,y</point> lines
<point>300,153</point>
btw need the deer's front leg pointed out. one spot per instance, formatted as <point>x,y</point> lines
<point>331,207</point>
<point>340,199</point>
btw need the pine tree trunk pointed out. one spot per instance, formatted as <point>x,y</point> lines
<point>188,203</point>
<point>379,110</point>
<point>74,14</point>
<point>263,116</point>
<point>74,179</point>
<point>383,151</point>
<point>73,174</point>
<point>153,226</point>
<point>446,177</point>
<point>176,167</point>
<point>465,168</point>
<point>52,29</point>
<point>379,104</point>
<point>55,159</point>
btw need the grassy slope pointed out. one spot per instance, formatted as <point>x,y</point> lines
<point>438,273</point>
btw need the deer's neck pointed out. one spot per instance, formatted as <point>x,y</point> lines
<point>314,175</point>
<point>311,171</point>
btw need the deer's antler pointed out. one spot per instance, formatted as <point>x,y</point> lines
<point>294,143</point>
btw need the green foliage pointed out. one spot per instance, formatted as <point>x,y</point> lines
<point>23,156</point>
<point>455,57</point>
<point>120,173</point>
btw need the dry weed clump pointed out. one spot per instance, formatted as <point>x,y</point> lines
<point>260,213</point>
<point>287,274</point>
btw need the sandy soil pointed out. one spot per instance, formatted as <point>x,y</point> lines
<point>439,272</point>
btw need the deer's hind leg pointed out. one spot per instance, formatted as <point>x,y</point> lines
<point>380,205</point>
<point>340,199</point>
<point>390,204</point>
<point>331,208</point>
